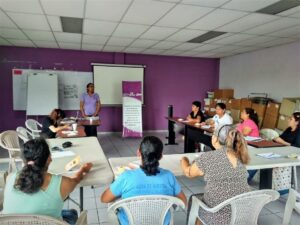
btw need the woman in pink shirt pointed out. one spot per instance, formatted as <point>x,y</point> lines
<point>249,124</point>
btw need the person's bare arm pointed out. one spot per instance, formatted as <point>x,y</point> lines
<point>98,107</point>
<point>182,197</point>
<point>246,131</point>
<point>107,196</point>
<point>82,109</point>
<point>56,129</point>
<point>281,141</point>
<point>190,170</point>
<point>68,184</point>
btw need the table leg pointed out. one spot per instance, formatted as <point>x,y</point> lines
<point>265,181</point>
<point>189,144</point>
<point>81,198</point>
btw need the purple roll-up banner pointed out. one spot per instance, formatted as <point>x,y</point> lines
<point>132,109</point>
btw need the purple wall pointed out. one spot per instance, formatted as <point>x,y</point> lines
<point>168,80</point>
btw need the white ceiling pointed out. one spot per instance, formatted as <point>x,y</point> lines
<point>159,27</point>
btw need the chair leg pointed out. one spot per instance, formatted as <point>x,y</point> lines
<point>295,177</point>
<point>193,213</point>
<point>290,204</point>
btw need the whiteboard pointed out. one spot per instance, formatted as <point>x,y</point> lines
<point>42,93</point>
<point>108,81</point>
<point>71,84</point>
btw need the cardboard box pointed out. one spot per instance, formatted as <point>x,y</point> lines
<point>235,103</point>
<point>273,109</point>
<point>245,103</point>
<point>270,121</point>
<point>208,101</point>
<point>223,93</point>
<point>289,106</point>
<point>260,109</point>
<point>235,114</point>
<point>283,122</point>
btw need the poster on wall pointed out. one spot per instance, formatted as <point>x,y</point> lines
<point>132,109</point>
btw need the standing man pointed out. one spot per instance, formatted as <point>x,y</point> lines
<point>90,106</point>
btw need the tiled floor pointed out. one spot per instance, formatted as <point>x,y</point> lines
<point>114,146</point>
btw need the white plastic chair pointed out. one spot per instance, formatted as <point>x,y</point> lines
<point>23,134</point>
<point>28,219</point>
<point>291,204</point>
<point>245,207</point>
<point>33,126</point>
<point>9,140</point>
<point>147,209</point>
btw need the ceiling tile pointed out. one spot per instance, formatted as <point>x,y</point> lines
<point>94,39</point>
<point>30,21</point>
<point>27,6</point>
<point>207,47</point>
<point>247,22</point>
<point>255,41</point>
<point>4,42</point>
<point>158,33</point>
<point>5,21</point>
<point>227,48</point>
<point>66,45</point>
<point>278,41</point>
<point>68,8</point>
<point>143,43</point>
<point>112,10</point>
<point>39,35</point>
<point>295,15</point>
<point>171,52</point>
<point>290,11</point>
<point>12,33</point>
<point>55,23</point>
<point>152,51</point>
<point>245,49</point>
<point>208,3</point>
<point>206,54</point>
<point>182,15</point>
<point>90,47</point>
<point>218,38</point>
<point>248,5</point>
<point>146,11</point>
<point>108,48</point>
<point>22,43</point>
<point>67,37</point>
<point>187,46</point>
<point>233,39</point>
<point>286,32</point>
<point>116,41</point>
<point>98,27</point>
<point>134,50</point>
<point>217,18</point>
<point>274,26</point>
<point>165,45</point>
<point>188,53</point>
<point>185,35</point>
<point>46,44</point>
<point>130,30</point>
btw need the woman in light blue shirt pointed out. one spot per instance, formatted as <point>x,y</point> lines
<point>35,191</point>
<point>149,179</point>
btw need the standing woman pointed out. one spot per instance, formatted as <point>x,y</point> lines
<point>34,190</point>
<point>90,106</point>
<point>249,124</point>
<point>291,136</point>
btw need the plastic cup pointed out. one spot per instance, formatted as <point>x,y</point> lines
<point>91,120</point>
<point>74,126</point>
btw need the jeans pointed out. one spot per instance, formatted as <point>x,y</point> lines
<point>70,216</point>
<point>251,175</point>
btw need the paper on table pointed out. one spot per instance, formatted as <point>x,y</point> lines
<point>62,154</point>
<point>249,138</point>
<point>205,126</point>
<point>269,155</point>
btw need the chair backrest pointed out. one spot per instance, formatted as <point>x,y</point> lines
<point>147,210</point>
<point>291,204</point>
<point>268,134</point>
<point>245,208</point>
<point>23,134</point>
<point>18,219</point>
<point>33,126</point>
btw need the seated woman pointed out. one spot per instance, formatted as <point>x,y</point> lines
<point>291,136</point>
<point>249,124</point>
<point>196,116</point>
<point>35,191</point>
<point>149,179</point>
<point>224,171</point>
<point>50,124</point>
